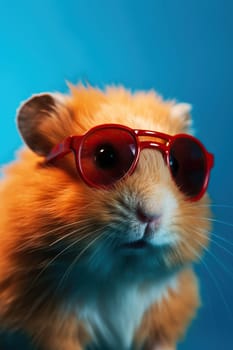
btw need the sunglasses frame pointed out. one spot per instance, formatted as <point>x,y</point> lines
<point>74,144</point>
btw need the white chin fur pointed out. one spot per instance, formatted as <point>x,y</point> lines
<point>113,318</point>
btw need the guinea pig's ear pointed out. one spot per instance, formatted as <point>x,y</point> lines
<point>38,119</point>
<point>182,113</point>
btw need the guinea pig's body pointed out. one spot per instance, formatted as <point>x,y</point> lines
<point>71,272</point>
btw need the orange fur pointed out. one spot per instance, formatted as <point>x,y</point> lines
<point>39,204</point>
<point>165,323</point>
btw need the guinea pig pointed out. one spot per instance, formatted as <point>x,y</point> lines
<point>102,215</point>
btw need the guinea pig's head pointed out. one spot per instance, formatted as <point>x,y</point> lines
<point>142,223</point>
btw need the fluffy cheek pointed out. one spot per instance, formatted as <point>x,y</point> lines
<point>193,226</point>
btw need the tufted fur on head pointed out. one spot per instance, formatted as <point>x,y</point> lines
<point>60,239</point>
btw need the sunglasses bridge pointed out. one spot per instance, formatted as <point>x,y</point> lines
<point>153,140</point>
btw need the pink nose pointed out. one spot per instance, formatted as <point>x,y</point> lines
<point>147,217</point>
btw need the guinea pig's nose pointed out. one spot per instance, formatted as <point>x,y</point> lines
<point>146,217</point>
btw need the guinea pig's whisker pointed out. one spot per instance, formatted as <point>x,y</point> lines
<point>221,238</point>
<point>62,227</point>
<point>215,258</point>
<point>201,234</point>
<point>69,234</point>
<point>33,245</point>
<point>212,234</point>
<point>37,302</point>
<point>33,238</point>
<point>213,278</point>
<point>176,253</point>
<point>203,218</point>
<point>228,206</point>
<point>218,221</point>
<point>69,246</point>
<point>107,242</point>
<point>89,245</point>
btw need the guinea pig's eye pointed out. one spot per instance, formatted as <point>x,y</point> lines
<point>174,165</point>
<point>106,156</point>
<point>188,165</point>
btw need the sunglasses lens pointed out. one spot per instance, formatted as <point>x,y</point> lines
<point>188,165</point>
<point>106,155</point>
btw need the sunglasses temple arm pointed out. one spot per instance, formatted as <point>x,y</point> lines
<point>60,150</point>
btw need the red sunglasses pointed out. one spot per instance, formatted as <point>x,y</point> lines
<point>109,152</point>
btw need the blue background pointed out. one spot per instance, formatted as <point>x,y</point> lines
<point>183,49</point>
